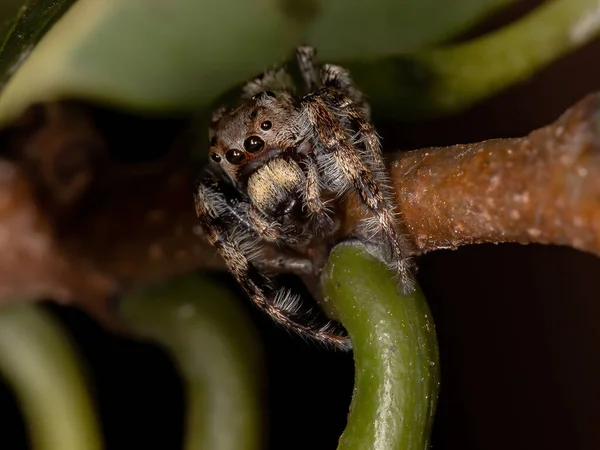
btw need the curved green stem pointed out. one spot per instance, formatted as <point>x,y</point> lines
<point>217,353</point>
<point>395,352</point>
<point>446,79</point>
<point>39,363</point>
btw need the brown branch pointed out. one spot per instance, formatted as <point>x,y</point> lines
<point>543,188</point>
<point>77,225</point>
<point>32,263</point>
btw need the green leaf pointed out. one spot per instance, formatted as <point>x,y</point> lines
<point>395,352</point>
<point>353,30</point>
<point>8,9</point>
<point>448,79</point>
<point>217,352</point>
<point>182,54</point>
<point>21,34</point>
<point>170,55</point>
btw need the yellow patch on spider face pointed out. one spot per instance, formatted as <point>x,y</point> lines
<point>274,183</point>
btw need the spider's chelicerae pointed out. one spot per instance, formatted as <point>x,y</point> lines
<point>280,164</point>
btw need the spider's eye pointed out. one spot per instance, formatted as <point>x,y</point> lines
<point>266,125</point>
<point>254,144</point>
<point>235,156</point>
<point>215,157</point>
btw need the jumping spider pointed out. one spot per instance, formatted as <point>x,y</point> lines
<point>279,165</point>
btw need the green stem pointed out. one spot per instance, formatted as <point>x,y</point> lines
<point>395,352</point>
<point>39,363</point>
<point>217,353</point>
<point>448,79</point>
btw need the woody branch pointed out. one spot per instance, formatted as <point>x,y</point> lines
<point>141,226</point>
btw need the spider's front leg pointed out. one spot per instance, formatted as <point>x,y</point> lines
<point>239,248</point>
<point>318,211</point>
<point>330,114</point>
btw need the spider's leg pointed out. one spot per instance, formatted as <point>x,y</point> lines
<point>342,161</point>
<point>286,264</point>
<point>318,211</point>
<point>368,142</point>
<point>237,247</point>
<point>339,78</point>
<point>305,58</point>
<point>356,115</point>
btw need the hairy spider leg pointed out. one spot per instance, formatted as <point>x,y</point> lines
<point>305,58</point>
<point>318,211</point>
<point>237,248</point>
<point>326,113</point>
<point>339,78</point>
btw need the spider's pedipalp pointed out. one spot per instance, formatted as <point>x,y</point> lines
<point>317,209</point>
<point>273,231</point>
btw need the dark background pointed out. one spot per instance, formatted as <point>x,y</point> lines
<point>516,326</point>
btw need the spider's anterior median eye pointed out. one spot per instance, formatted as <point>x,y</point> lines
<point>254,144</point>
<point>215,157</point>
<point>235,156</point>
<point>266,125</point>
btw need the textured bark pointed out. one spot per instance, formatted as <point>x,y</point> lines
<point>543,188</point>
<point>78,225</point>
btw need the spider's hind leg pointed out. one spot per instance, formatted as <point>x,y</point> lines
<point>239,249</point>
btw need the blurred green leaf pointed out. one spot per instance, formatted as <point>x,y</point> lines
<point>450,78</point>
<point>395,352</point>
<point>41,365</point>
<point>353,30</point>
<point>178,54</point>
<point>21,34</point>
<point>182,54</point>
<point>219,356</point>
<point>8,9</point>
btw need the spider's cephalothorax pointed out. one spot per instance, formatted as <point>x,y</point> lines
<point>279,165</point>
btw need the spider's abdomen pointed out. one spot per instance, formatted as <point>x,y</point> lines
<point>274,187</point>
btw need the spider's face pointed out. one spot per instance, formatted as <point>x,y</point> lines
<point>255,144</point>
<point>244,139</point>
